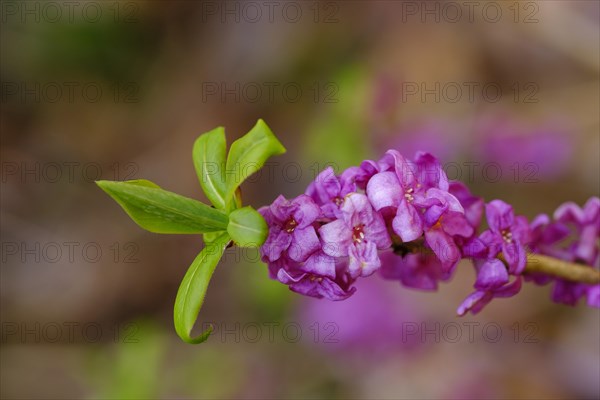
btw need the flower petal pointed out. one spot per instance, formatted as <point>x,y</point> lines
<point>325,187</point>
<point>444,247</point>
<point>320,264</point>
<point>499,215</point>
<point>384,190</point>
<point>569,212</point>
<point>406,172</point>
<point>277,242</point>
<point>515,257</point>
<point>491,275</point>
<point>306,212</point>
<point>336,236</point>
<point>593,296</point>
<point>455,223</point>
<point>431,174</point>
<point>407,224</point>
<point>356,209</point>
<point>314,286</point>
<point>446,198</point>
<point>377,232</point>
<point>281,209</point>
<point>304,243</point>
<point>364,259</point>
<point>511,289</point>
<point>474,302</point>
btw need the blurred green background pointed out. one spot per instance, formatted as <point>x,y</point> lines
<point>505,93</point>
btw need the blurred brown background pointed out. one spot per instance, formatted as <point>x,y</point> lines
<point>506,93</point>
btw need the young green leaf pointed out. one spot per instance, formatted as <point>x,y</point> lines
<point>248,154</point>
<point>160,211</point>
<point>192,290</point>
<point>209,161</point>
<point>247,227</point>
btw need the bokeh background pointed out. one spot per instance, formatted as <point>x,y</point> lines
<point>506,93</point>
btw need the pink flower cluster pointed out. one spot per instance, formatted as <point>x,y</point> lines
<point>404,219</point>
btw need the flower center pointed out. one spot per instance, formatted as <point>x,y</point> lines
<point>338,201</point>
<point>316,278</point>
<point>290,225</point>
<point>408,195</point>
<point>506,235</point>
<point>358,234</point>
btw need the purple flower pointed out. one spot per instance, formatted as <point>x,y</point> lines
<point>545,235</point>
<point>290,228</point>
<point>403,185</point>
<point>443,220</point>
<point>492,282</point>
<point>419,271</point>
<point>419,194</point>
<point>361,175</point>
<point>566,292</point>
<point>328,191</point>
<point>472,205</point>
<point>587,223</point>
<point>548,237</point>
<point>593,296</point>
<point>358,234</point>
<point>317,277</point>
<point>507,233</point>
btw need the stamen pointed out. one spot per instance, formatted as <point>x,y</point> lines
<point>357,233</point>
<point>290,225</point>
<point>506,235</point>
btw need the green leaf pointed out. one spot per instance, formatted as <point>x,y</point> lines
<point>160,211</point>
<point>192,290</point>
<point>247,227</point>
<point>209,161</point>
<point>142,182</point>
<point>248,154</point>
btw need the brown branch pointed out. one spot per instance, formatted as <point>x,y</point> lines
<point>536,263</point>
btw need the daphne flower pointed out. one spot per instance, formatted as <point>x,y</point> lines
<point>547,236</point>
<point>328,191</point>
<point>317,277</point>
<point>507,233</point>
<point>290,228</point>
<point>419,271</point>
<point>587,223</point>
<point>404,186</point>
<point>358,234</point>
<point>472,205</point>
<point>443,220</point>
<point>360,175</point>
<point>492,281</point>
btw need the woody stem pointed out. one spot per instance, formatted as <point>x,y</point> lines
<point>536,263</point>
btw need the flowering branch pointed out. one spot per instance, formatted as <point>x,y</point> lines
<point>344,226</point>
